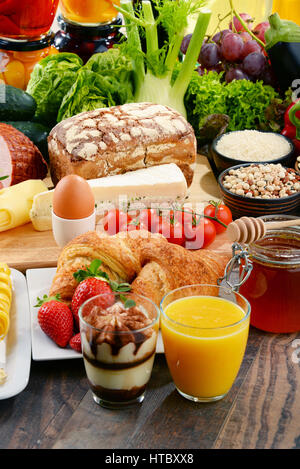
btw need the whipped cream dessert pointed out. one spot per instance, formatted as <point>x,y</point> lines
<point>118,351</point>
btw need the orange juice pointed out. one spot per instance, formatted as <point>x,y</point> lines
<point>89,12</point>
<point>204,339</point>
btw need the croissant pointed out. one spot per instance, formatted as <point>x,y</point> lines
<point>147,261</point>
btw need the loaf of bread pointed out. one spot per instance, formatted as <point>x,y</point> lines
<point>119,139</point>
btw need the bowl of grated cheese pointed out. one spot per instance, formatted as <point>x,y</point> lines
<point>252,146</point>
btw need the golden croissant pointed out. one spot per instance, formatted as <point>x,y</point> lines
<point>147,261</point>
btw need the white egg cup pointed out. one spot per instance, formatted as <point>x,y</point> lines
<point>64,230</point>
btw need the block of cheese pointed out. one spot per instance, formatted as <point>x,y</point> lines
<point>16,202</point>
<point>163,184</point>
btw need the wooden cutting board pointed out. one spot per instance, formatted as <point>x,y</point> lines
<point>24,248</point>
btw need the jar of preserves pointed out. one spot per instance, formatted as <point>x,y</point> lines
<point>26,19</point>
<point>87,40</point>
<point>273,286</point>
<point>18,58</point>
<point>89,12</point>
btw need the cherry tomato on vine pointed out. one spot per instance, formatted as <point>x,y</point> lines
<point>114,219</point>
<point>222,212</point>
<point>172,231</point>
<point>200,235</point>
<point>133,225</point>
<point>150,218</point>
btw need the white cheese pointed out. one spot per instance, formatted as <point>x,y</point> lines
<point>156,184</point>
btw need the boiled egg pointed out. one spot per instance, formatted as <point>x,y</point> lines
<point>73,198</point>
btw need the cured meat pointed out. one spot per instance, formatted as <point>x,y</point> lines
<point>20,159</point>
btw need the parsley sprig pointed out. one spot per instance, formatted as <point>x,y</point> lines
<point>94,270</point>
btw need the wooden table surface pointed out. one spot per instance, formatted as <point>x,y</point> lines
<point>56,410</point>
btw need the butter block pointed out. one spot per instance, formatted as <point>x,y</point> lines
<point>16,202</point>
<point>163,184</point>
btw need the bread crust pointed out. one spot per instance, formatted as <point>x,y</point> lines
<point>124,138</point>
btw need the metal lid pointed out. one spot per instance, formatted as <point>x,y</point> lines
<point>25,45</point>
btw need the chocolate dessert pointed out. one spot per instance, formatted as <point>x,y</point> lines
<point>118,349</point>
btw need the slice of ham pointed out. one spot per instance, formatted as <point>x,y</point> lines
<point>20,159</point>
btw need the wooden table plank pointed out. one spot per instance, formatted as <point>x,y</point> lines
<point>165,420</point>
<point>266,411</point>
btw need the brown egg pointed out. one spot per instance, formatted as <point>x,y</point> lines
<point>73,198</point>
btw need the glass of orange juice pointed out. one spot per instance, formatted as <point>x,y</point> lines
<point>205,331</point>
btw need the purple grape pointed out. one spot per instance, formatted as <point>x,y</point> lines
<point>232,47</point>
<point>185,43</point>
<point>245,36</point>
<point>249,47</point>
<point>235,74</point>
<point>254,64</point>
<point>204,70</point>
<point>209,55</point>
<point>220,36</point>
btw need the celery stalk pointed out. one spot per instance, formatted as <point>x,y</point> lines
<point>184,77</point>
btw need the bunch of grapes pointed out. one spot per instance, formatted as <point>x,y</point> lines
<point>236,53</point>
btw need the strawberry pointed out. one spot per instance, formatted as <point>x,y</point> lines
<point>75,342</point>
<point>92,282</point>
<point>55,319</point>
<point>87,289</point>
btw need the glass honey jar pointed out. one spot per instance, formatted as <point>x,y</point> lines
<point>273,288</point>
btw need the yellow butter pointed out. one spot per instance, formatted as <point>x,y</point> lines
<point>5,289</point>
<point>16,202</point>
<point>5,299</point>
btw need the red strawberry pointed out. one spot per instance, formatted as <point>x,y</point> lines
<point>92,282</point>
<point>75,342</point>
<point>56,320</point>
<point>89,288</point>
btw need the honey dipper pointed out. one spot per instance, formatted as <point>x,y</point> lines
<point>248,230</point>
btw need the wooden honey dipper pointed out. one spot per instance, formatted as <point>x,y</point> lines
<point>248,230</point>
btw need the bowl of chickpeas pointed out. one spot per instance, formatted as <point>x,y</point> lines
<point>260,189</point>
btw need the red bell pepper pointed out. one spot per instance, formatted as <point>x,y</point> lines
<point>292,124</point>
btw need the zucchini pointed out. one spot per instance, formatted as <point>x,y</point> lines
<point>36,132</point>
<point>16,104</point>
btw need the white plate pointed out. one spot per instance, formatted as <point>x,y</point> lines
<point>18,340</point>
<point>43,348</point>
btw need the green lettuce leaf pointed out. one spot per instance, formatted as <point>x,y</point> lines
<point>50,80</point>
<point>247,102</point>
<point>117,68</point>
<point>205,96</point>
<point>90,91</point>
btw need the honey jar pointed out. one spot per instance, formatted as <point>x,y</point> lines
<point>18,58</point>
<point>273,288</point>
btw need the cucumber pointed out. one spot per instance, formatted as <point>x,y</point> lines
<point>36,132</point>
<point>16,104</point>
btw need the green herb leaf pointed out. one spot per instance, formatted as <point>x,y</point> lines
<point>127,302</point>
<point>93,270</point>
<point>46,299</point>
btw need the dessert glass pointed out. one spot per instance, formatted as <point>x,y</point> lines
<point>118,345</point>
<point>205,331</point>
